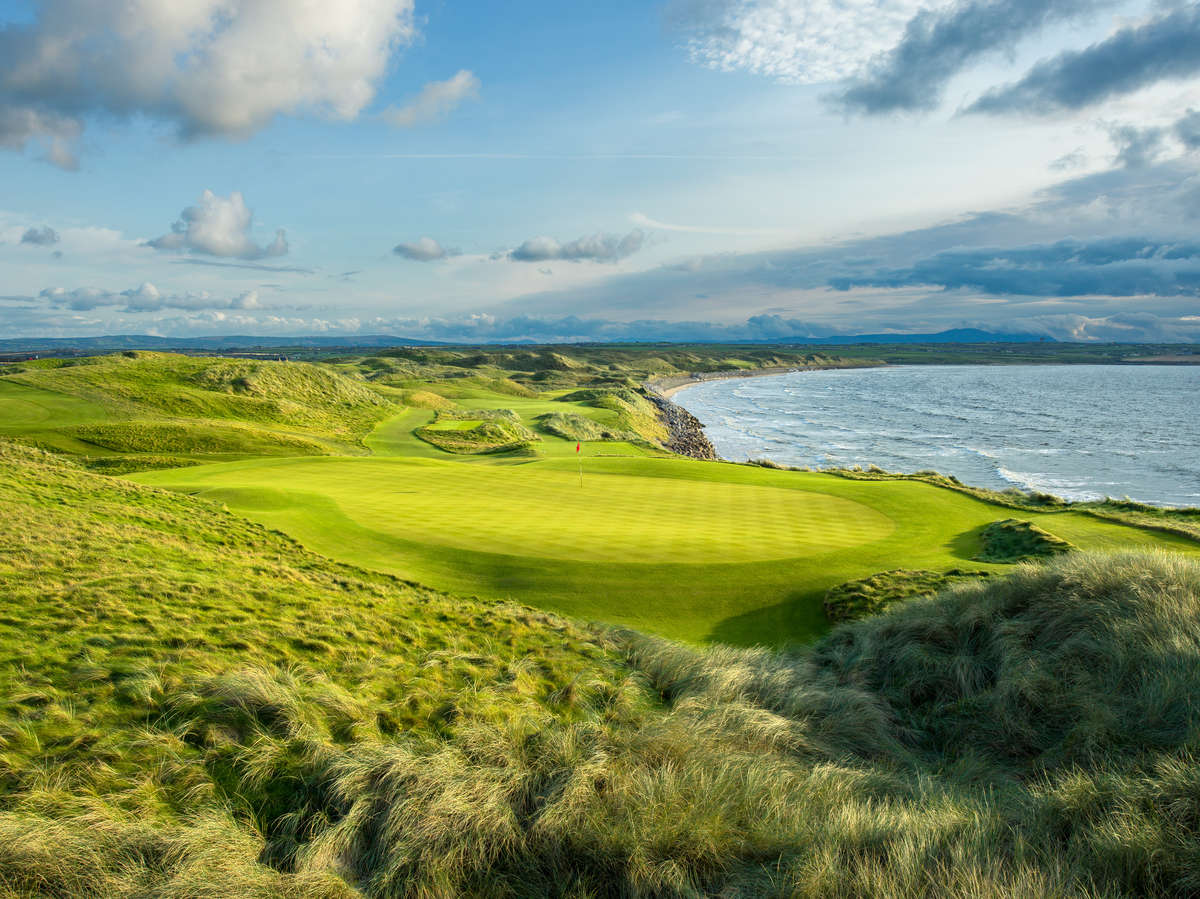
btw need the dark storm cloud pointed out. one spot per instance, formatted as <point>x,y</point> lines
<point>1167,47</point>
<point>938,44</point>
<point>1187,130</point>
<point>40,237</point>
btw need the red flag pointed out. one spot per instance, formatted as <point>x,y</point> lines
<point>577,447</point>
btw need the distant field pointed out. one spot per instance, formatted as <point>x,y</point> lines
<point>691,550</point>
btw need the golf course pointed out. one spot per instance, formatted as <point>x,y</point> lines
<point>370,627</point>
<point>620,531</point>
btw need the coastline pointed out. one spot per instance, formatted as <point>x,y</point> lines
<point>686,432</point>
<point>667,386</point>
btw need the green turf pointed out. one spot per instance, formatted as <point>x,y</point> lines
<point>692,550</point>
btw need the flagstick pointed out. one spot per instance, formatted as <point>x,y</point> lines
<point>579,456</point>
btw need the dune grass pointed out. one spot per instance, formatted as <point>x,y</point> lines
<point>230,715</point>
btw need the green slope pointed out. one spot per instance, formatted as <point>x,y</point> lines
<point>141,403</point>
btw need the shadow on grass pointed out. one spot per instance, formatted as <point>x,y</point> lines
<point>968,544</point>
<point>798,619</point>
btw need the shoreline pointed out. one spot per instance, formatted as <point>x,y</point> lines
<point>668,385</point>
<point>685,430</point>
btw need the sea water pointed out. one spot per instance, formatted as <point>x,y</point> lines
<point>1077,431</point>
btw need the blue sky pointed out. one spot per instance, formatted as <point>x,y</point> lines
<point>695,168</point>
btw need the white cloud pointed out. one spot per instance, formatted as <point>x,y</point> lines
<point>210,67</point>
<point>595,247</point>
<point>437,99</point>
<point>796,41</point>
<point>424,250</point>
<point>219,226</point>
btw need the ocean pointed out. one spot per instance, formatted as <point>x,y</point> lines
<point>1077,431</point>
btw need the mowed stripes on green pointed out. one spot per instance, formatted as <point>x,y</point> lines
<point>547,512</point>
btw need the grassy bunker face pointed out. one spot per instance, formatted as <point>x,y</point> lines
<point>871,595</point>
<point>1014,540</point>
<point>477,432</point>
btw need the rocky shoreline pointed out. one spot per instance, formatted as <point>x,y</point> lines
<point>685,432</point>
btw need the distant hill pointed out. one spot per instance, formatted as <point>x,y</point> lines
<point>247,343</point>
<point>114,342</point>
<point>954,335</point>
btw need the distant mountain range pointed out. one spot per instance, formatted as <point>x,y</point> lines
<point>244,343</point>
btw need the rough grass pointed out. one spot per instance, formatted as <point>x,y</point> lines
<point>228,715</point>
<point>872,595</point>
<point>1013,540</point>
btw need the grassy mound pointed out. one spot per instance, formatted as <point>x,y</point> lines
<point>1015,540</point>
<point>871,595</point>
<point>113,402</point>
<point>230,715</point>
<point>573,426</point>
<point>633,411</point>
<point>477,431</point>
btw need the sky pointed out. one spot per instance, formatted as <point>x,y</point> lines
<point>688,169</point>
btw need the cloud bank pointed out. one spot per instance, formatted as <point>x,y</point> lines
<point>145,298</point>
<point>219,226</point>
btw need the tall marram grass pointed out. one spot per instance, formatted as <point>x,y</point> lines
<point>1032,736</point>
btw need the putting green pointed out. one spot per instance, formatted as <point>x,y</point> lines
<point>540,511</point>
<point>690,550</point>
